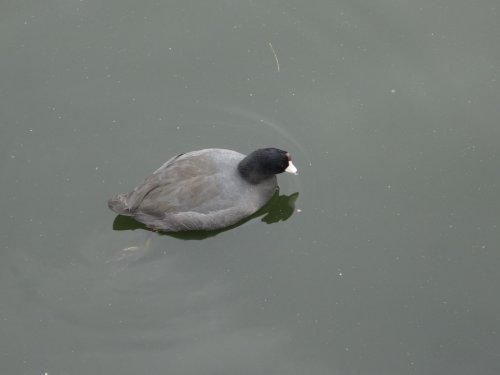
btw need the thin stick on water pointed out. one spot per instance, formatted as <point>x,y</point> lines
<point>275,57</point>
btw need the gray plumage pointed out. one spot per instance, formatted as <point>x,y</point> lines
<point>203,190</point>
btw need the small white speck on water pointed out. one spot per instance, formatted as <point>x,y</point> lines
<point>299,210</point>
<point>393,91</point>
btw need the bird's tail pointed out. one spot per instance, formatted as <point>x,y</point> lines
<point>119,204</point>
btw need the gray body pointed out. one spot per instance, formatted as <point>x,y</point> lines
<point>198,190</point>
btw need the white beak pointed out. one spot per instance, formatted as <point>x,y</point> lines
<point>291,168</point>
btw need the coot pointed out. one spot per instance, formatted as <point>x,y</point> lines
<point>205,190</point>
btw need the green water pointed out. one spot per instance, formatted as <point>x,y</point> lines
<point>386,263</point>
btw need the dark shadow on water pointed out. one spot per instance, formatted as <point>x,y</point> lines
<point>279,208</point>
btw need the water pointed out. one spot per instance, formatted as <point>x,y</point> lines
<point>387,263</point>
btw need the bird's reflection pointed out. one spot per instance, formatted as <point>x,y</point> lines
<point>279,208</point>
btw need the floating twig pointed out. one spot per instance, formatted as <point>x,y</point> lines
<point>275,57</point>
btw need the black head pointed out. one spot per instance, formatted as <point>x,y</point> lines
<point>264,163</point>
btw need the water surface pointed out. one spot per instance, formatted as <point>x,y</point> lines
<point>388,262</point>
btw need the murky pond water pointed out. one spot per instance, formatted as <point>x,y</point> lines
<point>381,257</point>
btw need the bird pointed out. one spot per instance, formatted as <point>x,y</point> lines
<point>205,190</point>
